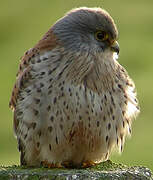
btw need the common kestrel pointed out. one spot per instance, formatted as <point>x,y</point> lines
<point>73,102</point>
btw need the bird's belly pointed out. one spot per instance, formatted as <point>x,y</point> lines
<point>76,145</point>
<point>81,129</point>
<point>73,124</point>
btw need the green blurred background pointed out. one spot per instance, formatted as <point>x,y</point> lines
<point>22,24</point>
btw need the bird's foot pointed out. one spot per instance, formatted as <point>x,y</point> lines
<point>51,165</point>
<point>68,164</point>
<point>87,164</point>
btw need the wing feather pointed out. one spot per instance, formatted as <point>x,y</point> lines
<point>47,43</point>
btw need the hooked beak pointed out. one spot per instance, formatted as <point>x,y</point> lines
<point>115,47</point>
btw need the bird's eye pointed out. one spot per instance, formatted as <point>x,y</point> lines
<point>101,35</point>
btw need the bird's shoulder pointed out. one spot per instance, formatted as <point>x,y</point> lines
<point>47,43</point>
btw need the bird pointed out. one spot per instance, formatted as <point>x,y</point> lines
<point>73,103</point>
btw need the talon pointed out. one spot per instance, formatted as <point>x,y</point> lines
<point>50,165</point>
<point>67,164</point>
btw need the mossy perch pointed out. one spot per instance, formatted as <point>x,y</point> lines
<point>104,171</point>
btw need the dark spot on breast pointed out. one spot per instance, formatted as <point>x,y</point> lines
<point>137,107</point>
<point>80,117</point>
<point>50,129</point>
<point>87,112</point>
<point>57,113</point>
<point>129,84</point>
<point>41,85</point>
<point>35,112</point>
<point>111,110</point>
<point>62,95</point>
<point>121,148</point>
<point>120,86</point>
<point>45,58</point>
<point>112,100</point>
<point>28,91</point>
<point>104,118</point>
<point>25,63</point>
<point>106,138</point>
<point>55,99</point>
<point>50,80</point>
<point>130,130</point>
<point>59,85</point>
<point>42,73</point>
<point>38,144</point>
<point>19,113</point>
<point>48,108</point>
<point>50,86</point>
<point>39,90</point>
<point>116,129</point>
<point>56,140</point>
<point>64,103</point>
<point>51,70</point>
<point>105,97</point>
<point>61,119</point>
<point>113,89</point>
<point>61,126</point>
<point>33,125</point>
<point>125,96</point>
<point>97,123</point>
<point>49,92</point>
<point>52,118</point>
<point>21,98</point>
<point>25,136</point>
<point>125,102</point>
<point>109,126</point>
<point>39,133</point>
<point>50,147</point>
<point>123,124</point>
<point>62,88</point>
<point>117,141</point>
<point>37,101</point>
<point>135,100</point>
<point>113,117</point>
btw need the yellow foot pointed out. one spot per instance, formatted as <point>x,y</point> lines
<point>68,164</point>
<point>87,164</point>
<point>51,165</point>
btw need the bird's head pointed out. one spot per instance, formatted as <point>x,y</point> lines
<point>89,39</point>
<point>87,29</point>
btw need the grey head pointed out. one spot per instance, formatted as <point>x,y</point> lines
<point>87,29</point>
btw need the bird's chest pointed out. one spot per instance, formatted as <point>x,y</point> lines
<point>80,104</point>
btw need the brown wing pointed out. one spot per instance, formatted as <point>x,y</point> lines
<point>47,43</point>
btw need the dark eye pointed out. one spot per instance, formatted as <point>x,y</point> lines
<point>101,35</point>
